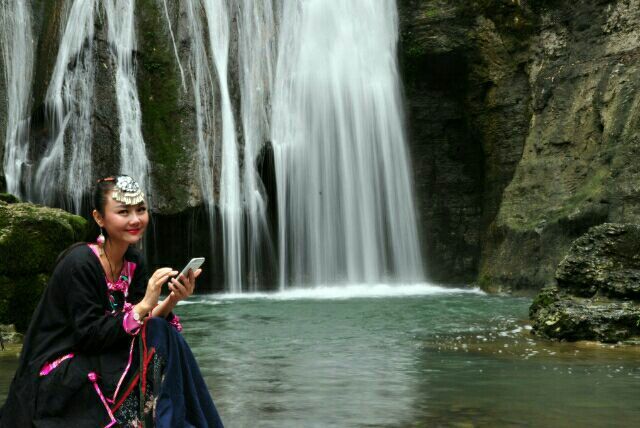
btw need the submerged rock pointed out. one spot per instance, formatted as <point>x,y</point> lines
<point>31,238</point>
<point>597,296</point>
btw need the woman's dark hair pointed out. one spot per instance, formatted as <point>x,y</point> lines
<point>100,190</point>
<point>99,201</point>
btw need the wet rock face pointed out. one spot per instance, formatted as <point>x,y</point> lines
<point>597,296</point>
<point>576,169</point>
<point>522,121</point>
<point>467,97</point>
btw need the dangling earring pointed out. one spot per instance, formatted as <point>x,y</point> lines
<point>101,239</point>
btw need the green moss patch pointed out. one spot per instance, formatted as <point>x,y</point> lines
<point>31,237</point>
<point>159,90</point>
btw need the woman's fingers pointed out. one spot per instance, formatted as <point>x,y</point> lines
<point>191,281</point>
<point>162,272</point>
<point>159,277</point>
<point>178,290</point>
<point>168,275</point>
<point>181,287</point>
<point>154,287</point>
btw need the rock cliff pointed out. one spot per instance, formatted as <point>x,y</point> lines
<point>524,126</point>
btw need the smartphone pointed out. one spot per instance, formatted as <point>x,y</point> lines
<point>193,265</point>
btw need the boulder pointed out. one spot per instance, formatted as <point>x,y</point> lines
<point>9,198</point>
<point>31,238</point>
<point>597,294</point>
<point>605,261</point>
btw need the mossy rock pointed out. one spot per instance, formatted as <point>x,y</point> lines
<point>32,237</point>
<point>574,319</point>
<point>605,261</point>
<point>19,297</point>
<point>597,296</point>
<point>547,296</point>
<point>9,198</point>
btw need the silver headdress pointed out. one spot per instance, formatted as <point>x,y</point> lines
<point>127,191</point>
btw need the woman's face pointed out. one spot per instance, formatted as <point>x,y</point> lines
<point>124,223</point>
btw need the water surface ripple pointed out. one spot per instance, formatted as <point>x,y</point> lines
<point>437,358</point>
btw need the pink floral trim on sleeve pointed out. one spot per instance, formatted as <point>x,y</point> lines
<point>175,323</point>
<point>130,325</point>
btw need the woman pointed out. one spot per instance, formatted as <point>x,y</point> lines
<point>102,349</point>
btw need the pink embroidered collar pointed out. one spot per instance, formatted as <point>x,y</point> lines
<point>124,279</point>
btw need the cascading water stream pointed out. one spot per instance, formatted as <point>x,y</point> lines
<point>231,210</point>
<point>344,192</point>
<point>173,41</point>
<point>345,208</point>
<point>256,60</point>
<point>122,38</point>
<point>69,107</point>
<point>202,84</point>
<point>16,44</point>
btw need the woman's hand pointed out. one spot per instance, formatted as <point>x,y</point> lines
<point>182,287</point>
<point>154,288</point>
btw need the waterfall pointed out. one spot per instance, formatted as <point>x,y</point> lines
<point>122,38</point>
<point>69,106</point>
<point>256,63</point>
<point>173,41</point>
<point>17,48</point>
<point>316,79</point>
<point>202,83</point>
<point>345,203</point>
<point>231,210</point>
<point>333,112</point>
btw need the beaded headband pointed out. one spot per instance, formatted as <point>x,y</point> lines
<point>126,190</point>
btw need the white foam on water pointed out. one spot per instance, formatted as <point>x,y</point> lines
<point>200,302</point>
<point>350,291</point>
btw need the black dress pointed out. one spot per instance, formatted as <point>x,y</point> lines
<point>79,366</point>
